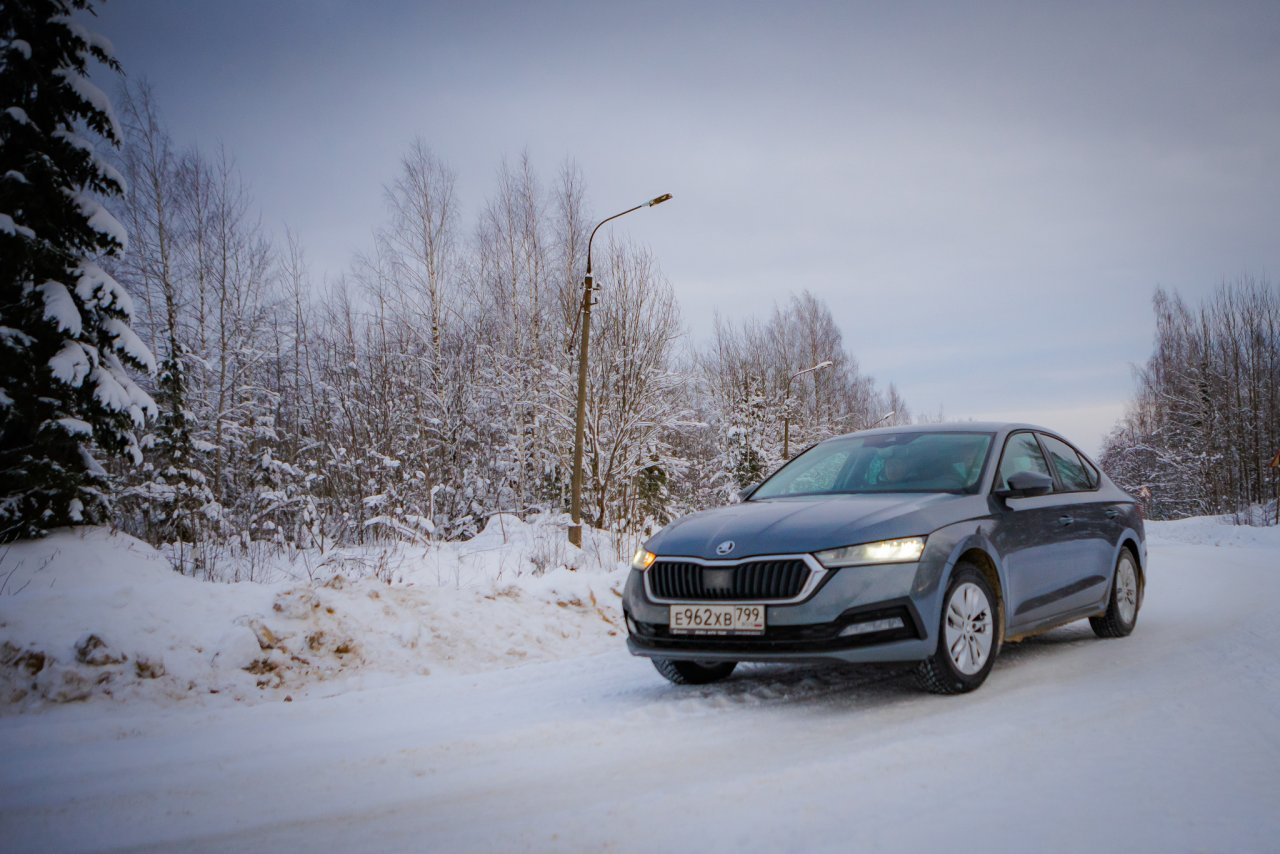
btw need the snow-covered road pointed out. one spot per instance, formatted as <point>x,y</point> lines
<point>1168,740</point>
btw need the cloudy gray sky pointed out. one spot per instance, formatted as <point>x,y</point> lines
<point>985,194</point>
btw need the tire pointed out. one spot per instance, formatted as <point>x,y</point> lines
<point>1126,597</point>
<point>693,672</point>
<point>968,639</point>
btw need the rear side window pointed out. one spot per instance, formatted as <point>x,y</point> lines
<point>1073,470</point>
<point>1021,453</point>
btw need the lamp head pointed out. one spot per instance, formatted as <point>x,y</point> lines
<point>659,200</point>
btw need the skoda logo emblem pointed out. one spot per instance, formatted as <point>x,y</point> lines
<point>725,547</point>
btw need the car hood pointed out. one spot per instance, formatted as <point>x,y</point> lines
<point>799,524</point>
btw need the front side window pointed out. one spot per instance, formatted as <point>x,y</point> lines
<point>1021,453</point>
<point>886,462</point>
<point>1074,472</point>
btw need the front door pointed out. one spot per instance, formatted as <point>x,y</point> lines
<point>1029,534</point>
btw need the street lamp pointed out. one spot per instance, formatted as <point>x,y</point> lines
<point>880,420</point>
<point>786,406</point>
<point>883,418</point>
<point>575,501</point>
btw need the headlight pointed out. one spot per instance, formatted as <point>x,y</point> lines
<point>886,551</point>
<point>643,559</point>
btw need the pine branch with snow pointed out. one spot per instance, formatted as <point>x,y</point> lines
<point>66,392</point>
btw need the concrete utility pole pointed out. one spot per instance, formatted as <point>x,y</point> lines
<point>575,500</point>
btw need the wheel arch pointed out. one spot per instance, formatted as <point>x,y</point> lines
<point>948,547</point>
<point>1130,542</point>
<point>986,565</point>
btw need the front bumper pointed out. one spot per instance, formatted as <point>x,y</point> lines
<point>812,629</point>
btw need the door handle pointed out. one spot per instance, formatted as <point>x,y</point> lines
<point>1066,520</point>
<point>1113,513</point>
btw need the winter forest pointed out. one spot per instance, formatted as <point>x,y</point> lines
<point>432,386</point>
<point>425,390</point>
<point>1205,421</point>
<point>171,366</point>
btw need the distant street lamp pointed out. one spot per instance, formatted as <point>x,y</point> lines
<point>879,420</point>
<point>883,418</point>
<point>786,406</point>
<point>575,501</point>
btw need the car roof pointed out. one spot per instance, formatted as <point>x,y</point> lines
<point>953,427</point>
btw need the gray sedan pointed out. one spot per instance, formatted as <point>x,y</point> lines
<point>931,545</point>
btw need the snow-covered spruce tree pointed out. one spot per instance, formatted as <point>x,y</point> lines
<point>64,323</point>
<point>747,447</point>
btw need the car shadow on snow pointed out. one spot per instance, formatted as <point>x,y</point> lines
<point>863,685</point>
<point>1050,643</point>
<point>765,685</point>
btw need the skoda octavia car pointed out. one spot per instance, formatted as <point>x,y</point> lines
<point>930,545</point>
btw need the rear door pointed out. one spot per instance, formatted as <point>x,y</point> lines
<point>1087,526</point>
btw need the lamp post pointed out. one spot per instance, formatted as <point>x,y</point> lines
<point>575,500</point>
<point>786,406</point>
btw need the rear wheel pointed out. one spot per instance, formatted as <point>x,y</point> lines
<point>693,672</point>
<point>1122,608</point>
<point>966,636</point>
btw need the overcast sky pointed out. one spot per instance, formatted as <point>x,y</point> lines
<point>986,195</point>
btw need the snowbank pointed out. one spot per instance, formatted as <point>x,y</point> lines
<point>88,614</point>
<point>1213,531</point>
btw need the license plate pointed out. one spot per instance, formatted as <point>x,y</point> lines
<point>717,620</point>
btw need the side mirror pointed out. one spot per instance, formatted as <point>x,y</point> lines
<point>1025,484</point>
<point>744,494</point>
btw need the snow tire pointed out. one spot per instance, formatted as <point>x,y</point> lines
<point>1126,597</point>
<point>693,672</point>
<point>939,674</point>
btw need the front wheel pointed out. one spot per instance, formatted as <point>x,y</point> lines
<point>1122,608</point>
<point>693,672</point>
<point>966,636</point>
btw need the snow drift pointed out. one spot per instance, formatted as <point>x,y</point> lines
<point>88,613</point>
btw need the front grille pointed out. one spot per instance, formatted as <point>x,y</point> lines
<point>744,582</point>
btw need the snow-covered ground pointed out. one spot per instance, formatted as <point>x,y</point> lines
<point>504,715</point>
<point>91,615</point>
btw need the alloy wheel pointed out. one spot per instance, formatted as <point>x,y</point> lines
<point>1126,590</point>
<point>969,628</point>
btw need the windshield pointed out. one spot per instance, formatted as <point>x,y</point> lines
<point>884,462</point>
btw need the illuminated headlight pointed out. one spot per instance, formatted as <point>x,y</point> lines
<point>886,551</point>
<point>643,560</point>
